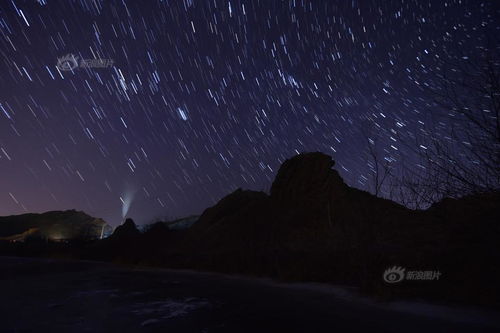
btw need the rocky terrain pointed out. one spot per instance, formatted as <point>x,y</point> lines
<point>313,227</point>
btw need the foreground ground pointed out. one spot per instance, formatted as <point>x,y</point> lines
<point>46,295</point>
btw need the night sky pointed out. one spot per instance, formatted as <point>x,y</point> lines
<point>194,99</point>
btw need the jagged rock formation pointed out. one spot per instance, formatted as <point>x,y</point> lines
<point>126,231</point>
<point>306,179</point>
<point>306,194</point>
<point>54,225</point>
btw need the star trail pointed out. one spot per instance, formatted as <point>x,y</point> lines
<point>164,107</point>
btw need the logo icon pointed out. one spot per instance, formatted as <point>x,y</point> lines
<point>67,62</point>
<point>394,274</point>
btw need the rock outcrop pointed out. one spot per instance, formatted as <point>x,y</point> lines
<point>127,230</point>
<point>306,179</point>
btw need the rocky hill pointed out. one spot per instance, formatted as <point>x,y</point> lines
<point>54,225</point>
<point>313,226</point>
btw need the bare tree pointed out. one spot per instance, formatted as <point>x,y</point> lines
<point>380,166</point>
<point>466,107</point>
<point>412,186</point>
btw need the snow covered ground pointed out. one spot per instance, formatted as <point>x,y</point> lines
<point>62,296</point>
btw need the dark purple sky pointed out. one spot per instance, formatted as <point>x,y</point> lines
<point>204,97</point>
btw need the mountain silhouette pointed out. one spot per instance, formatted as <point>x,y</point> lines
<point>53,225</point>
<point>312,226</point>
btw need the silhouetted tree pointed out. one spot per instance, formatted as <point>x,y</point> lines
<point>380,166</point>
<point>465,105</point>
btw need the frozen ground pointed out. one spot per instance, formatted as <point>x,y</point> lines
<point>42,295</point>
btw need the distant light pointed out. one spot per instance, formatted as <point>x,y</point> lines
<point>127,199</point>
